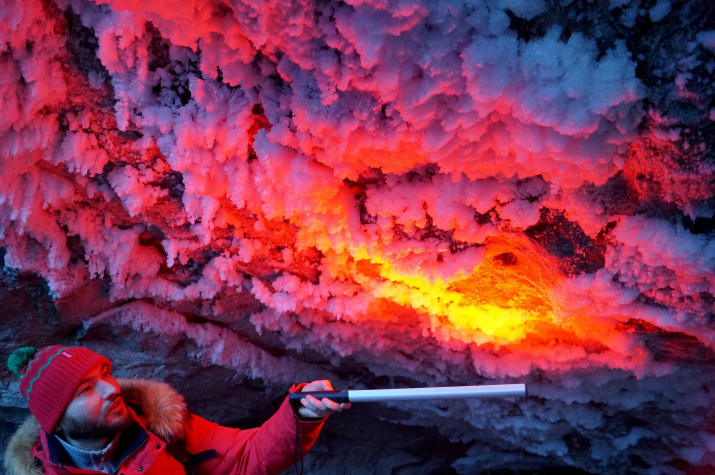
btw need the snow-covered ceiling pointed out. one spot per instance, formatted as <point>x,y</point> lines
<point>452,192</point>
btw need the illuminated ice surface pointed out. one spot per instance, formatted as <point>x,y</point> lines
<point>231,196</point>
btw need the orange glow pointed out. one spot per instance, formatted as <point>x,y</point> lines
<point>400,159</point>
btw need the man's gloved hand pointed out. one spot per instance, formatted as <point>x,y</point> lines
<point>312,408</point>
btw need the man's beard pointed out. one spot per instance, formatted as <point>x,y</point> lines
<point>85,428</point>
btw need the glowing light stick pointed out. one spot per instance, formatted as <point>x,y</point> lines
<point>415,394</point>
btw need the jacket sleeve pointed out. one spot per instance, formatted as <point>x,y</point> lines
<point>268,449</point>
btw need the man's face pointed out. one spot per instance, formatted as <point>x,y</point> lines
<point>97,409</point>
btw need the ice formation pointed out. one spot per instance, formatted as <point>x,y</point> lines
<point>449,192</point>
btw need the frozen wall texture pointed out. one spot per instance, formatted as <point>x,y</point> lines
<point>234,195</point>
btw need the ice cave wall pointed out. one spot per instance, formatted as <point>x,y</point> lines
<point>239,195</point>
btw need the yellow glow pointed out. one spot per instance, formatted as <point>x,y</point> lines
<point>510,288</point>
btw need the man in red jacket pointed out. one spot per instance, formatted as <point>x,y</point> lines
<point>85,421</point>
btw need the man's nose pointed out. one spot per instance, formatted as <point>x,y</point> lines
<point>108,389</point>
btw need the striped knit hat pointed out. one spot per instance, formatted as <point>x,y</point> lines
<point>49,378</point>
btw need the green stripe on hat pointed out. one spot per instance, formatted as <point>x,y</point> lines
<point>39,371</point>
<point>37,357</point>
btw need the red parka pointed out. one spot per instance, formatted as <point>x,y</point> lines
<point>268,449</point>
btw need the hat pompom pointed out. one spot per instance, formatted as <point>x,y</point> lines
<point>19,358</point>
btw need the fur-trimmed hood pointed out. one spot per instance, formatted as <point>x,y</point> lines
<point>157,405</point>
